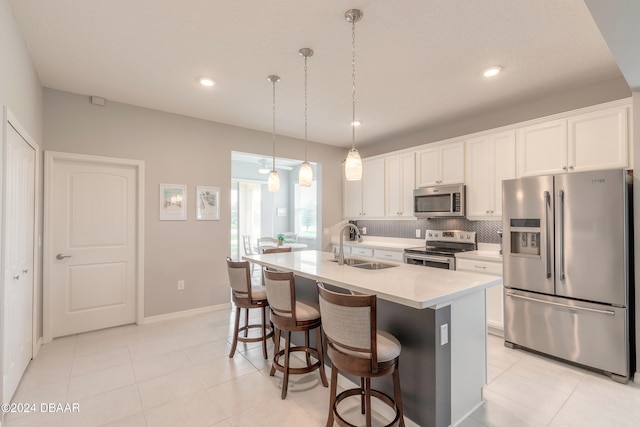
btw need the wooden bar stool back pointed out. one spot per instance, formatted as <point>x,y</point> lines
<point>356,347</point>
<point>246,296</point>
<point>276,250</point>
<point>273,251</point>
<point>289,315</point>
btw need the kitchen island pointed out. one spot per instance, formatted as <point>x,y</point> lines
<point>438,316</point>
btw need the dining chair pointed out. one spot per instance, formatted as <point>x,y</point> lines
<point>248,250</point>
<point>266,242</point>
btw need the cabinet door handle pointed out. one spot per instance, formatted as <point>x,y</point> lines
<point>16,277</point>
<point>482,267</point>
<point>571,167</point>
<point>25,271</point>
<point>564,168</point>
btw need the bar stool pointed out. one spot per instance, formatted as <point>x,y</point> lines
<point>356,347</point>
<point>273,251</point>
<point>289,315</point>
<point>246,296</point>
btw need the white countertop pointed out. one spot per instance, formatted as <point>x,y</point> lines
<point>410,285</point>
<point>480,255</point>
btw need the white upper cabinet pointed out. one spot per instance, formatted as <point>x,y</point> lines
<point>598,140</point>
<point>372,188</point>
<point>399,184</point>
<point>365,198</point>
<point>542,148</point>
<point>490,160</point>
<point>440,164</point>
<point>589,141</point>
<point>352,201</point>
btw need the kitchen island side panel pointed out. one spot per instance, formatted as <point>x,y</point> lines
<point>425,366</point>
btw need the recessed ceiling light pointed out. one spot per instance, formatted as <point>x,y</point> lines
<point>207,81</point>
<point>355,123</point>
<point>493,71</point>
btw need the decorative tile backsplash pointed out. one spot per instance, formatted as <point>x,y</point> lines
<point>486,231</point>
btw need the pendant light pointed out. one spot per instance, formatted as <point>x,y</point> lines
<point>305,176</point>
<point>353,164</point>
<point>274,180</point>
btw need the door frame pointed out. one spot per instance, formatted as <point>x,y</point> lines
<point>9,119</point>
<point>50,157</point>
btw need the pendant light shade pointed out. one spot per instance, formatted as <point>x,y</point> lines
<point>305,176</point>
<point>273,184</point>
<point>353,164</point>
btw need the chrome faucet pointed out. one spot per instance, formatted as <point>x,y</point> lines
<point>341,253</point>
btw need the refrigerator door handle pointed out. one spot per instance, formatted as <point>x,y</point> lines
<point>561,233</point>
<point>572,307</point>
<point>547,206</point>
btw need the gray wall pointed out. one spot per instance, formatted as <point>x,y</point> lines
<point>20,90</point>
<point>635,123</point>
<point>179,150</point>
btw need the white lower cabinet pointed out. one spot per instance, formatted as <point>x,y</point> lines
<point>389,255</point>
<point>364,252</point>
<point>494,297</point>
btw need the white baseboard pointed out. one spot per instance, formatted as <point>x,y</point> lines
<point>495,330</point>
<point>36,348</point>
<point>186,313</point>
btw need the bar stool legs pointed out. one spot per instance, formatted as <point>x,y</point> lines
<point>266,331</point>
<point>286,369</point>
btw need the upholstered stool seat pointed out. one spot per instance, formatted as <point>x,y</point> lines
<point>246,296</point>
<point>289,315</point>
<point>356,347</point>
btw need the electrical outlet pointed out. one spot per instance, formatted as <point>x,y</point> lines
<point>364,230</point>
<point>418,233</point>
<point>444,334</point>
<point>181,285</point>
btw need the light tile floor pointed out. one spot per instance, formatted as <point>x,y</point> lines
<point>177,373</point>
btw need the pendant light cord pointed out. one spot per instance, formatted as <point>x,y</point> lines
<point>353,85</point>
<point>273,127</point>
<point>305,108</point>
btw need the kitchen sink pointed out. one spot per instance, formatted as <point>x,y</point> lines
<point>364,264</point>
<point>374,265</point>
<point>352,261</point>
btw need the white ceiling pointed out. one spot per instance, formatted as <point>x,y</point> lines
<point>419,62</point>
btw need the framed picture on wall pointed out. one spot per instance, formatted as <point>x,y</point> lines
<point>207,203</point>
<point>173,202</point>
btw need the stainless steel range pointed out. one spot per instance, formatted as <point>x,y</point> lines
<point>440,248</point>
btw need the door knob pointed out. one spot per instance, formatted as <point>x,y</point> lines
<point>60,256</point>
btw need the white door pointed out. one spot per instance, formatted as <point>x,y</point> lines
<point>18,259</point>
<point>91,252</point>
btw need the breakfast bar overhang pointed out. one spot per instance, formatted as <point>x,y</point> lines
<point>438,316</point>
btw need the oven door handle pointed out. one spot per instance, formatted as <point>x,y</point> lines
<point>438,259</point>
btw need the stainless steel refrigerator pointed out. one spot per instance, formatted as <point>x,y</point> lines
<point>566,267</point>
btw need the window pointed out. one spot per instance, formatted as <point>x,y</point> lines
<point>305,210</point>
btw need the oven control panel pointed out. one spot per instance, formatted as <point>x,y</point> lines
<point>450,236</point>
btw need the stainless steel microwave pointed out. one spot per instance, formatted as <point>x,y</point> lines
<point>439,201</point>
